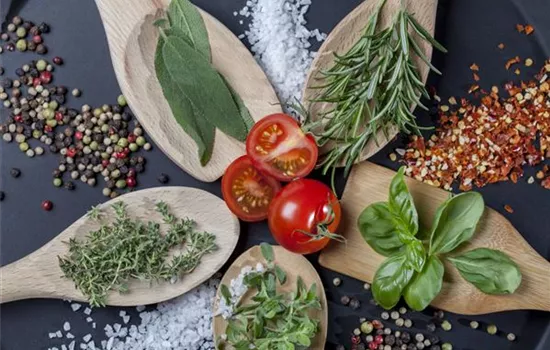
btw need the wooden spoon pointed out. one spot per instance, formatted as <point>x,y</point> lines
<point>294,265</point>
<point>346,34</point>
<point>38,275</point>
<point>369,183</point>
<point>132,41</point>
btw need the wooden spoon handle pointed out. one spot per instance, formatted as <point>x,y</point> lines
<point>19,281</point>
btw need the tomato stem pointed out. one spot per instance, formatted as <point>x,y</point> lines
<point>322,228</point>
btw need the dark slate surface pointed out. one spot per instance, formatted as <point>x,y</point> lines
<point>470,29</point>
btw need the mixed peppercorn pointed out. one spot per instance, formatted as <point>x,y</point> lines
<point>24,35</point>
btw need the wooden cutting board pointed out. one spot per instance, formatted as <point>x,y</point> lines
<point>369,183</point>
<point>346,34</point>
<point>132,39</point>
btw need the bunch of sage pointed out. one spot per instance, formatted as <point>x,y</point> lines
<point>200,98</point>
<point>272,321</point>
<point>414,267</point>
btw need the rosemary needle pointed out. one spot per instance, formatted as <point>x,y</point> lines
<point>371,89</point>
<point>131,249</point>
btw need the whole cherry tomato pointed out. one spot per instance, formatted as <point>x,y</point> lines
<point>304,216</point>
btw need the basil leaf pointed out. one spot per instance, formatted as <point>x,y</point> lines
<point>199,129</point>
<point>491,271</point>
<point>379,230</point>
<point>226,294</point>
<point>390,279</point>
<point>455,222</point>
<point>425,285</point>
<point>203,87</point>
<point>416,255</point>
<point>401,205</point>
<point>185,16</point>
<point>281,275</point>
<point>267,252</point>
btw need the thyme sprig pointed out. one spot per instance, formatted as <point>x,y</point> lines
<point>110,257</point>
<point>371,89</point>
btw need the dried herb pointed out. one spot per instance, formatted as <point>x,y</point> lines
<point>371,89</point>
<point>129,249</point>
<point>416,271</point>
<point>272,320</point>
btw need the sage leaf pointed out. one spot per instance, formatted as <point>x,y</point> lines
<point>491,271</point>
<point>416,255</point>
<point>186,17</point>
<point>199,129</point>
<point>390,280</point>
<point>455,222</point>
<point>203,87</point>
<point>425,285</point>
<point>267,252</point>
<point>401,205</point>
<point>243,110</point>
<point>379,230</point>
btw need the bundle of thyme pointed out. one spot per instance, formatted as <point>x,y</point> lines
<point>131,249</point>
<point>272,321</point>
<point>372,88</point>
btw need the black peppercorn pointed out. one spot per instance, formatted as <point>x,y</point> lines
<point>85,161</point>
<point>67,142</point>
<point>120,163</point>
<point>117,109</point>
<point>34,31</point>
<point>7,83</point>
<point>361,346</point>
<point>405,337</point>
<point>27,133</point>
<point>44,28</point>
<point>398,342</point>
<point>345,300</point>
<point>69,186</point>
<point>60,99</point>
<point>141,160</point>
<point>124,169</point>
<point>15,172</point>
<point>139,168</point>
<point>2,196</point>
<point>27,25</point>
<point>379,331</point>
<point>10,47</point>
<point>89,173</point>
<point>71,167</point>
<point>54,149</point>
<point>59,144</point>
<point>61,90</point>
<point>340,347</point>
<point>434,339</point>
<point>431,327</point>
<point>19,72</point>
<point>41,49</point>
<point>34,73</point>
<point>56,173</point>
<point>435,347</point>
<point>354,304</point>
<point>110,184</point>
<point>123,133</point>
<point>163,178</point>
<point>411,347</point>
<point>31,46</point>
<point>111,167</point>
<point>133,161</point>
<point>72,112</point>
<point>389,339</point>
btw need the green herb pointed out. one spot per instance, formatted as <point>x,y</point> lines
<point>199,97</point>
<point>413,268</point>
<point>272,320</point>
<point>110,257</point>
<point>491,271</point>
<point>371,88</point>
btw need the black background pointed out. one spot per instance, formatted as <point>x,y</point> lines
<point>470,29</point>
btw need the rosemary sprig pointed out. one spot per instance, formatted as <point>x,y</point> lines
<point>371,89</point>
<point>131,249</point>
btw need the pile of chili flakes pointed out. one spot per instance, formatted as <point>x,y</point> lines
<point>488,142</point>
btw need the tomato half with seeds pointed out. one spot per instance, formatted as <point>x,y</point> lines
<point>304,216</point>
<point>278,147</point>
<point>246,191</point>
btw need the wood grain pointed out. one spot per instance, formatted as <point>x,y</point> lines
<point>38,275</point>
<point>132,42</point>
<point>346,34</point>
<point>294,265</point>
<point>369,183</point>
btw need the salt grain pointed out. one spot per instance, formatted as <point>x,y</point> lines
<point>66,326</point>
<point>76,307</point>
<point>280,42</point>
<point>88,311</point>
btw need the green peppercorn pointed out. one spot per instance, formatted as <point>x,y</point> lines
<point>447,346</point>
<point>133,147</point>
<point>122,142</point>
<point>446,325</point>
<point>21,45</point>
<point>106,192</point>
<point>474,324</point>
<point>41,65</point>
<point>120,184</point>
<point>36,134</point>
<point>366,327</point>
<point>52,123</point>
<point>115,173</point>
<point>121,100</point>
<point>97,112</point>
<point>105,155</point>
<point>23,146</point>
<point>86,139</point>
<point>53,105</point>
<point>94,146</point>
<point>48,113</point>
<point>114,137</point>
<point>492,329</point>
<point>57,182</point>
<point>140,141</point>
<point>21,32</point>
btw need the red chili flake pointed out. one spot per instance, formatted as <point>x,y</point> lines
<point>474,67</point>
<point>546,183</point>
<point>501,46</point>
<point>476,77</point>
<point>529,29</point>
<point>473,88</point>
<point>508,209</point>
<point>520,28</point>
<point>512,61</point>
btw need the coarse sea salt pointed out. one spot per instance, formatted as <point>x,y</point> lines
<point>280,42</point>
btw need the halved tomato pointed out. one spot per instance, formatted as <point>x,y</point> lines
<point>248,192</point>
<point>279,148</point>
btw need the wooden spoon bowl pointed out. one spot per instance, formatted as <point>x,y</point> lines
<point>345,35</point>
<point>294,265</point>
<point>132,39</point>
<point>38,275</point>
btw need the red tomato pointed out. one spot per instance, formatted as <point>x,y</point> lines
<point>279,148</point>
<point>246,191</point>
<point>304,216</point>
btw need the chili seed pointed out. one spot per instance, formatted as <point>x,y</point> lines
<point>446,325</point>
<point>336,281</point>
<point>492,329</point>
<point>47,205</point>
